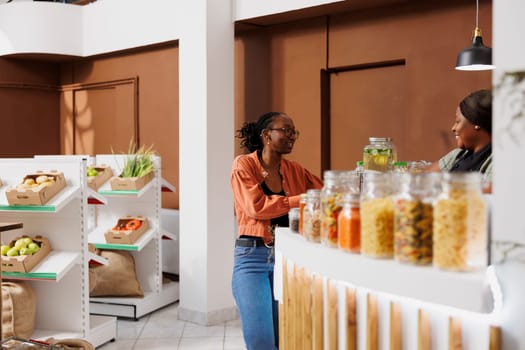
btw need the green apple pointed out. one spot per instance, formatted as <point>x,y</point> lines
<point>4,249</point>
<point>20,243</point>
<point>12,252</point>
<point>33,247</point>
<point>92,171</point>
<point>24,251</point>
<point>27,240</point>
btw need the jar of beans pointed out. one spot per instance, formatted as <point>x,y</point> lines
<point>413,217</point>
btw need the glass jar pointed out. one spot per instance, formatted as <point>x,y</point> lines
<point>335,185</point>
<point>418,166</point>
<point>377,216</point>
<point>460,223</point>
<point>379,154</point>
<point>400,167</point>
<point>302,203</point>
<point>349,224</point>
<point>293,219</point>
<point>413,218</point>
<point>359,169</point>
<point>312,216</point>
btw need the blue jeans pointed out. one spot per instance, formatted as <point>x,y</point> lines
<point>252,285</point>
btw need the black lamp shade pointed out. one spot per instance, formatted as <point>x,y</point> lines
<point>475,57</point>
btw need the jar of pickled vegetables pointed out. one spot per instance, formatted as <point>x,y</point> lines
<point>377,216</point>
<point>312,216</point>
<point>460,223</point>
<point>349,224</point>
<point>302,203</point>
<point>335,185</point>
<point>379,154</point>
<point>413,218</point>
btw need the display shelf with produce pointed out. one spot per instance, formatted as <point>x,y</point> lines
<point>146,251</point>
<point>60,279</point>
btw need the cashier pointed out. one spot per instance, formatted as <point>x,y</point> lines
<point>473,131</point>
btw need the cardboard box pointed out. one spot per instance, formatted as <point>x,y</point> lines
<point>126,236</point>
<point>26,263</point>
<point>104,174</point>
<point>130,183</point>
<point>39,194</point>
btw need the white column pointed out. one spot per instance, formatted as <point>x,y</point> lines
<point>206,153</point>
<point>508,224</point>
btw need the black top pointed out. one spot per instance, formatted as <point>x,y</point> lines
<point>470,161</point>
<point>281,221</point>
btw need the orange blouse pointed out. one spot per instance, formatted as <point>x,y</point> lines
<point>253,208</point>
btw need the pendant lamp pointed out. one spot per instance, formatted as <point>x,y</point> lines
<point>477,56</point>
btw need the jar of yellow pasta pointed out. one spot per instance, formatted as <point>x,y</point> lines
<point>413,217</point>
<point>377,216</point>
<point>460,223</point>
<point>312,216</point>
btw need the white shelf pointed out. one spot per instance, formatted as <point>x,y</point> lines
<point>95,198</point>
<point>102,329</point>
<point>97,259</point>
<point>463,290</point>
<point>52,267</point>
<point>99,240</point>
<point>166,186</point>
<point>60,200</point>
<point>168,235</point>
<point>43,334</point>
<point>105,190</point>
<point>135,307</point>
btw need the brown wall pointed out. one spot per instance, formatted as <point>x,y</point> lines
<point>29,108</point>
<point>415,102</point>
<point>109,100</point>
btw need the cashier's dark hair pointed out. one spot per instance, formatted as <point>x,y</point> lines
<point>477,109</point>
<point>251,132</point>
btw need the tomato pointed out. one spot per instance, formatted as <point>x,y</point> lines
<point>133,224</point>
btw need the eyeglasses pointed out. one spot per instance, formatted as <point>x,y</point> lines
<point>287,131</point>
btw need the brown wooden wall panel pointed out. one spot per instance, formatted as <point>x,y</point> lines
<point>30,109</point>
<point>110,113</point>
<point>364,103</point>
<point>417,33</point>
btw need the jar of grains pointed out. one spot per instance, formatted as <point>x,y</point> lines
<point>460,223</point>
<point>349,224</point>
<point>312,216</point>
<point>336,183</point>
<point>413,212</point>
<point>377,216</point>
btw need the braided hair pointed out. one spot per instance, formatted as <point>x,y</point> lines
<point>251,132</point>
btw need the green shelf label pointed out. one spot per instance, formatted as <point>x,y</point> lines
<point>33,275</point>
<point>116,246</point>
<point>36,208</point>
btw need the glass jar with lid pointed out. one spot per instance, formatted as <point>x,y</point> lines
<point>349,224</point>
<point>312,216</point>
<point>460,223</point>
<point>413,218</point>
<point>379,154</point>
<point>377,215</point>
<point>336,183</point>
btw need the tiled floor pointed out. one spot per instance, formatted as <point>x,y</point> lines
<point>162,330</point>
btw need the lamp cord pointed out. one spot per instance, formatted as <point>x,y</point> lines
<point>477,12</point>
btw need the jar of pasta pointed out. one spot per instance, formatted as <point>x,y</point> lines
<point>460,223</point>
<point>312,216</point>
<point>379,154</point>
<point>349,224</point>
<point>336,183</point>
<point>413,218</point>
<point>377,216</point>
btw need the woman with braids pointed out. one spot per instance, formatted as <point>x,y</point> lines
<point>265,186</point>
